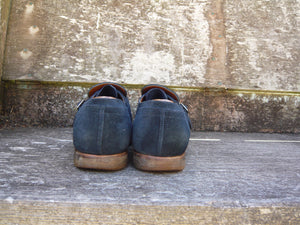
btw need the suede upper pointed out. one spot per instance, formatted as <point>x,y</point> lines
<point>161,126</point>
<point>103,123</point>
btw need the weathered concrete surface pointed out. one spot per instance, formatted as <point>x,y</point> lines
<point>33,104</point>
<point>72,213</point>
<point>53,104</point>
<point>217,72</point>
<point>233,178</point>
<point>124,41</point>
<point>239,110</point>
<point>237,48</point>
<point>236,44</point>
<point>4,15</point>
<point>263,41</point>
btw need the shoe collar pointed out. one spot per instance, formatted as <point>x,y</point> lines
<point>169,92</point>
<point>101,85</point>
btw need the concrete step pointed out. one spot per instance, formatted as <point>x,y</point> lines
<point>230,178</point>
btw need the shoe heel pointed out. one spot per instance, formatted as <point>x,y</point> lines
<point>101,162</point>
<point>156,163</point>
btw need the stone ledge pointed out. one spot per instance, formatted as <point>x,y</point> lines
<point>235,178</point>
<point>77,213</point>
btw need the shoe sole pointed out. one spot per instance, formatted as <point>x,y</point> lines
<point>157,163</point>
<point>100,162</point>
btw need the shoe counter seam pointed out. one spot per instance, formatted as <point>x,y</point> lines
<point>100,130</point>
<point>161,132</point>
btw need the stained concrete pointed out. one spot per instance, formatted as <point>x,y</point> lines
<point>132,42</point>
<point>4,18</point>
<point>72,213</point>
<point>235,63</point>
<point>53,104</point>
<point>263,41</point>
<point>219,43</point>
<point>37,164</point>
<point>229,177</point>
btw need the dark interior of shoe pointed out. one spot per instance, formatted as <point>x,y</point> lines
<point>108,91</point>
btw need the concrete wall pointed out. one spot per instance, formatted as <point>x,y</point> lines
<point>4,15</point>
<point>263,41</point>
<point>53,104</point>
<point>238,43</point>
<point>196,44</point>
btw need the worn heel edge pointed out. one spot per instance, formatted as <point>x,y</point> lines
<point>100,162</point>
<point>157,163</point>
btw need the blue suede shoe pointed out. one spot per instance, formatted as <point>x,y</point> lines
<point>161,130</point>
<point>102,128</point>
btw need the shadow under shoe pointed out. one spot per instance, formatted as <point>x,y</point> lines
<point>102,129</point>
<point>161,130</point>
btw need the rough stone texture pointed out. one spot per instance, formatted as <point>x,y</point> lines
<point>53,104</point>
<point>32,104</point>
<point>217,73</point>
<point>4,15</point>
<point>237,44</point>
<point>72,213</point>
<point>263,40</point>
<point>221,44</point>
<point>123,41</point>
<point>229,178</point>
<point>238,110</point>
<point>36,104</point>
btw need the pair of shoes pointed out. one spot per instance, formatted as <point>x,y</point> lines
<point>103,129</point>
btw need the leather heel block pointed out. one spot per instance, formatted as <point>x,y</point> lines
<point>101,162</point>
<point>157,163</point>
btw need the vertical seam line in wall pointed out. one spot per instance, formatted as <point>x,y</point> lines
<point>5,38</point>
<point>2,89</point>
